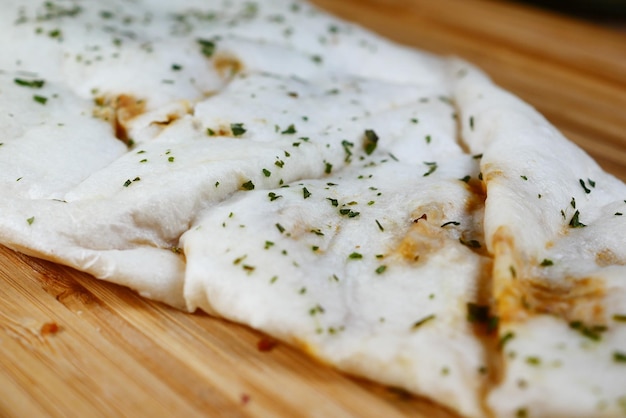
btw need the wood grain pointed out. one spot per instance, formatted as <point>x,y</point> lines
<point>116,354</point>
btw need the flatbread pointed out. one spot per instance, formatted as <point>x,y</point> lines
<point>411,223</point>
<point>554,223</point>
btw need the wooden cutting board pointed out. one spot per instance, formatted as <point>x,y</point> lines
<point>116,354</point>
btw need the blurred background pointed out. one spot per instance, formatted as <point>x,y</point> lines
<point>602,11</point>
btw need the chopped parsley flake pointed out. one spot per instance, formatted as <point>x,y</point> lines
<point>237,129</point>
<point>466,179</point>
<point>471,122</point>
<point>371,141</point>
<point>379,225</point>
<point>591,332</point>
<point>575,222</point>
<point>40,99</point>
<point>355,256</point>
<point>524,178</point>
<point>533,361</point>
<point>248,185</point>
<point>582,183</point>
<point>619,357</point>
<point>619,318</point>
<point>30,220</point>
<point>34,84</point>
<point>546,263</point>
<point>280,228</point>
<point>509,335</point>
<point>328,167</point>
<point>333,202</point>
<point>432,166</point>
<point>422,321</point>
<point>349,213</point>
<point>315,310</point>
<point>381,269</point>
<point>305,193</point>
<point>206,47</point>
<point>347,147</point>
<point>291,129</point>
<point>268,245</point>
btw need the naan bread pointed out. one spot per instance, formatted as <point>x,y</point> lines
<point>554,224</point>
<point>271,164</point>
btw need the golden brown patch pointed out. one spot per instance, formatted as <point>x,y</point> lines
<point>421,239</point>
<point>171,117</point>
<point>126,108</point>
<point>227,65</point>
<point>119,111</point>
<point>478,195</point>
<point>519,295</point>
<point>606,257</point>
<point>490,172</point>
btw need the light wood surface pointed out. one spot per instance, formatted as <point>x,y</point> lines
<point>116,354</point>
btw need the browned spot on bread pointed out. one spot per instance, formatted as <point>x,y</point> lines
<point>490,172</point>
<point>169,118</point>
<point>519,295</point>
<point>119,111</point>
<point>227,65</point>
<point>421,239</point>
<point>126,108</point>
<point>607,257</point>
<point>477,196</point>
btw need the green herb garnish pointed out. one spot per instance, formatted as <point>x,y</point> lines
<point>371,141</point>
<point>422,321</point>
<point>206,47</point>
<point>34,84</point>
<point>237,129</point>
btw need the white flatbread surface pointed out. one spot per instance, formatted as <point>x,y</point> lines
<point>270,164</point>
